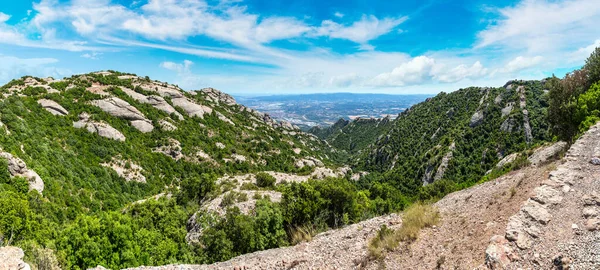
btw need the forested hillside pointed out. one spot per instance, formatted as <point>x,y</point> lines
<point>118,170</point>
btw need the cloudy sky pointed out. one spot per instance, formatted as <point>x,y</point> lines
<point>291,46</point>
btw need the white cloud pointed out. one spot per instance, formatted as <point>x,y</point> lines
<point>543,26</point>
<point>180,68</point>
<point>363,31</point>
<point>416,71</point>
<point>520,63</point>
<point>339,14</point>
<point>13,67</point>
<point>462,72</point>
<point>583,53</point>
<point>92,55</point>
<point>4,17</point>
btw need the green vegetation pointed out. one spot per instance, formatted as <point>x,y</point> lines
<point>88,215</point>
<point>265,180</point>
<point>414,218</point>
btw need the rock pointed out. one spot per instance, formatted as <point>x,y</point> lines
<point>238,158</point>
<point>11,258</point>
<point>506,110</point>
<point>53,107</point>
<point>476,119</point>
<point>544,154</point>
<point>546,195</point>
<point>166,125</point>
<point>536,212</point>
<point>514,228</point>
<point>507,125</point>
<point>225,119</point>
<point>507,160</point>
<point>126,170</point>
<point>99,267</point>
<point>498,254</point>
<point>591,199</point>
<point>100,128</point>
<point>17,167</point>
<point>217,96</point>
<point>191,108</point>
<point>121,109</point>
<point>590,212</point>
<point>574,226</point>
<point>172,149</point>
<point>142,126</point>
<point>562,262</point>
<point>592,224</point>
<point>595,161</point>
<point>156,102</point>
<point>439,174</point>
<point>523,241</point>
<point>220,145</point>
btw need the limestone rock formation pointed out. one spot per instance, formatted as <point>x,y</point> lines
<point>17,167</point>
<point>191,108</point>
<point>217,96</point>
<point>101,128</point>
<point>157,102</point>
<point>166,125</point>
<point>476,119</point>
<point>53,107</point>
<point>546,153</point>
<point>126,169</point>
<point>172,148</point>
<point>11,258</point>
<point>121,109</point>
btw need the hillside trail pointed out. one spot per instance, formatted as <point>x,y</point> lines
<point>544,217</point>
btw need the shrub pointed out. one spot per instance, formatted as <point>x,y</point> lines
<point>265,180</point>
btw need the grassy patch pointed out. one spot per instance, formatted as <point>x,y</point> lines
<point>415,218</point>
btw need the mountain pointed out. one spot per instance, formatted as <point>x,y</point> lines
<point>115,170</point>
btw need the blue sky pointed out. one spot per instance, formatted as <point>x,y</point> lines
<point>278,47</point>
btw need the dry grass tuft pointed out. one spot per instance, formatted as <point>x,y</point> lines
<point>302,234</point>
<point>415,218</point>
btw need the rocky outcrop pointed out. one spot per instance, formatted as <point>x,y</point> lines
<point>507,160</point>
<point>523,105</point>
<point>309,161</point>
<point>126,169</point>
<point>546,153</point>
<point>18,168</point>
<point>166,125</point>
<point>11,258</point>
<point>191,108</point>
<point>121,109</point>
<point>506,110</point>
<point>508,125</point>
<point>217,96</point>
<point>439,174</point>
<point>157,102</point>
<point>172,149</point>
<point>100,128</point>
<point>53,107</point>
<point>558,223</point>
<point>476,119</point>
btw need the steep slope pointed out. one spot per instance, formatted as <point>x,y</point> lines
<point>352,137</point>
<point>77,152</point>
<point>469,218</point>
<point>459,136</point>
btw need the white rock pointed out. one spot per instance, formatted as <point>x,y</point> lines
<point>53,107</point>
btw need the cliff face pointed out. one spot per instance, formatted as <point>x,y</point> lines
<point>539,217</point>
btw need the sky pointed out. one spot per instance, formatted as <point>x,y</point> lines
<point>261,47</point>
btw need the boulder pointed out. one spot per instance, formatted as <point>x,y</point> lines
<point>119,108</point>
<point>191,108</point>
<point>101,128</point>
<point>11,258</point>
<point>143,126</point>
<point>544,154</point>
<point>53,107</point>
<point>156,101</point>
<point>507,160</point>
<point>546,195</point>
<point>536,212</point>
<point>17,167</point>
<point>498,255</point>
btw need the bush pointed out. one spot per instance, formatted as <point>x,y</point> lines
<point>265,180</point>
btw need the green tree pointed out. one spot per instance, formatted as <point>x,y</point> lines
<point>592,65</point>
<point>265,180</point>
<point>14,217</point>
